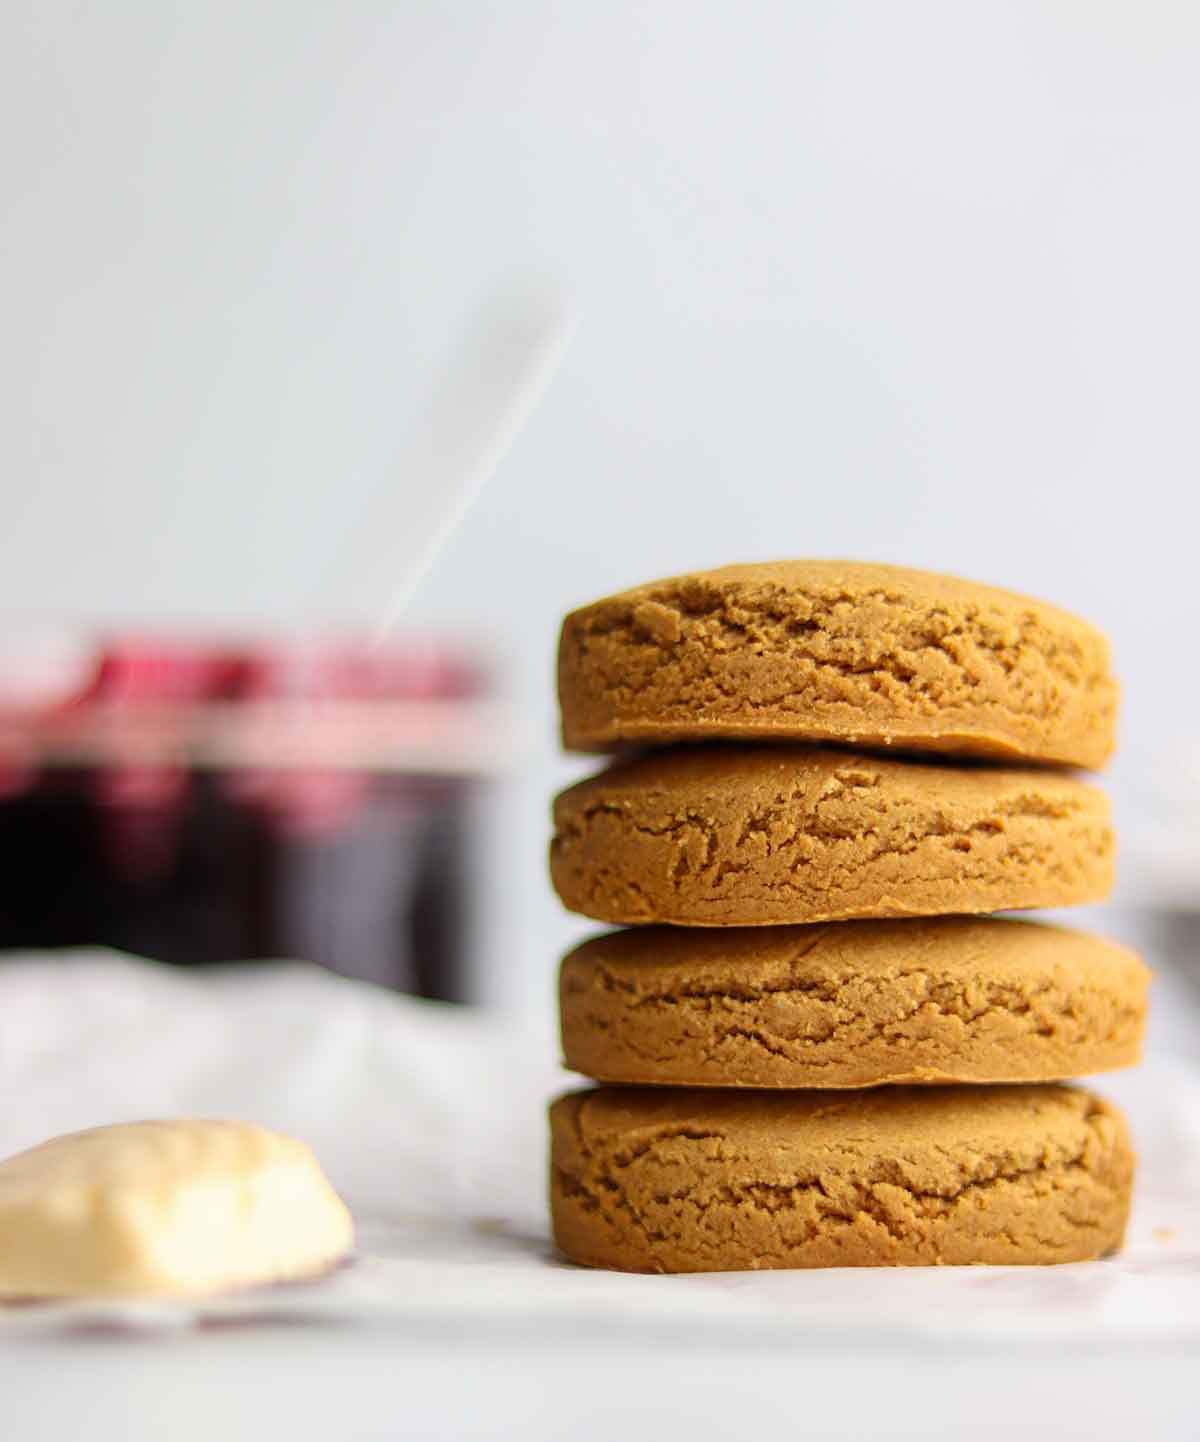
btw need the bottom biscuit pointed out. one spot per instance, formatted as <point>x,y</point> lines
<point>655,1180</point>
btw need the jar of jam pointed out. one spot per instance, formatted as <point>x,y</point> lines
<point>201,802</point>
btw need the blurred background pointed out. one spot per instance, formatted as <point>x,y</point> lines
<point>910,283</point>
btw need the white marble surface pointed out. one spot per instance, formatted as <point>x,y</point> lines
<point>347,1384</point>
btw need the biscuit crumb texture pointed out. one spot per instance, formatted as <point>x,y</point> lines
<point>689,1181</point>
<point>165,1208</point>
<point>858,1004</point>
<point>770,835</point>
<point>843,651</point>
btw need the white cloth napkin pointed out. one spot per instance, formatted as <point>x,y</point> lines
<point>411,1106</point>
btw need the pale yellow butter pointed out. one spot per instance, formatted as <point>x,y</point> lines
<point>164,1208</point>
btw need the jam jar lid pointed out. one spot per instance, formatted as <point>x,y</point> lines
<point>417,706</point>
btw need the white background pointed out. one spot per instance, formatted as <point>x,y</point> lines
<point>911,282</point>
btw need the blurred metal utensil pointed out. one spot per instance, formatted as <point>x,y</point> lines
<point>477,411</point>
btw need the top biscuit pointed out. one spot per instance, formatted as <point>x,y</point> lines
<point>840,651</point>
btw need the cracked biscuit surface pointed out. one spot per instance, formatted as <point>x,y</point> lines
<point>858,1004</point>
<point>656,1180</point>
<point>771,835</point>
<point>845,651</point>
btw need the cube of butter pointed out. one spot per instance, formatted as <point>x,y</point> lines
<point>165,1208</point>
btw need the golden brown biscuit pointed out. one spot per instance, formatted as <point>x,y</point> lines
<point>841,651</point>
<point>859,1004</point>
<point>666,1180</point>
<point>767,835</point>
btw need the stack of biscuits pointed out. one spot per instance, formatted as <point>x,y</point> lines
<point>816,1047</point>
